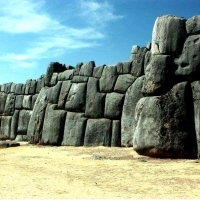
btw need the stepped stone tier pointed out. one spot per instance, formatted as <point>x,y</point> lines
<point>150,103</point>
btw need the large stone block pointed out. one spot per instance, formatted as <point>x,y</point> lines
<point>133,95</point>
<point>54,67</point>
<point>95,101</point>
<point>30,87</point>
<point>53,93</point>
<point>108,79</point>
<point>3,97</point>
<point>54,79</point>
<point>27,102</point>
<point>79,79</point>
<point>87,69</point>
<point>9,105</point>
<point>5,127</point>
<point>40,83</point>
<point>124,67</point>
<point>97,71</point>
<point>19,89</point>
<point>158,75</point>
<point>113,105</point>
<point>76,98</point>
<point>193,25</point>
<point>12,88</point>
<point>165,124</point>
<point>98,132</point>
<point>7,88</point>
<point>19,102</point>
<point>189,61</point>
<point>123,83</point>
<point>116,133</point>
<point>66,75</point>
<point>74,131</point>
<point>14,125</point>
<point>137,68</point>
<point>196,100</point>
<point>169,34</point>
<point>35,126</point>
<point>53,128</point>
<point>24,117</point>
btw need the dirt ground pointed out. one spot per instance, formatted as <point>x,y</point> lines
<point>41,172</point>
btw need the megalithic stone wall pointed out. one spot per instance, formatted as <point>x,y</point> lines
<point>150,103</point>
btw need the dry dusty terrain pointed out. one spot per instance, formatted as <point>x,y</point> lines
<point>38,172</point>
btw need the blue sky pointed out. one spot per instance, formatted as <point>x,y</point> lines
<point>34,33</point>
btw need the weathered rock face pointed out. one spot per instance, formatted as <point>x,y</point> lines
<point>169,34</point>
<point>115,105</point>
<point>165,124</point>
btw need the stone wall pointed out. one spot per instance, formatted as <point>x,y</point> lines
<point>151,102</point>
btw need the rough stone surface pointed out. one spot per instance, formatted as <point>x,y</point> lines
<point>24,117</point>
<point>123,83</point>
<point>87,69</point>
<point>169,34</point>
<point>196,100</point>
<point>108,79</point>
<point>54,79</point>
<point>18,89</point>
<point>63,94</point>
<point>124,67</point>
<point>189,61</point>
<point>165,124</point>
<point>14,125</point>
<point>53,128</point>
<point>116,133</point>
<point>27,102</point>
<point>3,97</point>
<point>66,75</point>
<point>10,105</point>
<point>19,102</point>
<point>137,68</point>
<point>76,98</point>
<point>113,105</point>
<point>35,126</point>
<point>40,83</point>
<point>5,127</point>
<point>157,75</point>
<point>74,131</point>
<point>97,71</point>
<point>193,25</point>
<point>133,95</point>
<point>98,132</point>
<point>53,93</point>
<point>95,101</point>
<point>79,79</point>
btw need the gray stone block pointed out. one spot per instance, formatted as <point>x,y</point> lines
<point>3,97</point>
<point>63,94</point>
<point>169,34</point>
<point>53,128</point>
<point>14,125</point>
<point>53,93</point>
<point>108,79</point>
<point>18,89</point>
<point>27,102</point>
<point>123,83</point>
<point>35,126</point>
<point>124,67</point>
<point>34,98</point>
<point>113,105</point>
<point>97,71</point>
<point>116,133</point>
<point>24,117</point>
<point>74,131</point>
<point>66,75</point>
<point>5,127</point>
<point>19,102</point>
<point>12,88</point>
<point>87,69</point>
<point>40,83</point>
<point>193,25</point>
<point>98,132</point>
<point>9,105</point>
<point>165,125</point>
<point>76,98</point>
<point>95,101</point>
<point>79,79</point>
<point>133,95</point>
<point>54,79</point>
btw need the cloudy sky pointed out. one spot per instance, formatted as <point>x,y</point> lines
<point>34,33</point>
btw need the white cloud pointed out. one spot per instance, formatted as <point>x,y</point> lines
<point>52,38</point>
<point>98,13</point>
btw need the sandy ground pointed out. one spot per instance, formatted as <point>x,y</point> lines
<point>38,172</point>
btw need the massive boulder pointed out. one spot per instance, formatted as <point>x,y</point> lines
<point>169,34</point>
<point>189,61</point>
<point>158,75</point>
<point>165,124</point>
<point>133,95</point>
<point>193,25</point>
